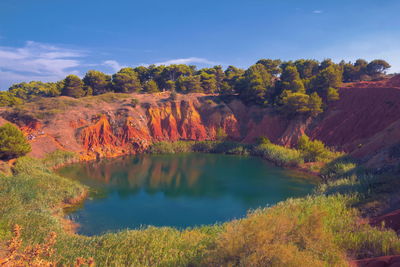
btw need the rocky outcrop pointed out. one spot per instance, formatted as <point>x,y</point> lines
<point>365,122</point>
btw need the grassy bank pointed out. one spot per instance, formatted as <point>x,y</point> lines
<point>314,231</point>
<point>279,155</point>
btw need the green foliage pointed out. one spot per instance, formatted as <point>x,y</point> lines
<point>221,147</point>
<point>7,99</point>
<point>208,83</point>
<point>170,86</point>
<point>33,89</point>
<point>377,67</point>
<point>272,66</point>
<point>98,82</point>
<point>59,157</point>
<point>290,80</point>
<point>262,140</point>
<point>13,143</point>
<point>151,87</point>
<point>171,147</point>
<point>307,68</point>
<point>73,87</point>
<point>126,81</point>
<point>329,77</point>
<point>279,155</point>
<point>314,231</point>
<point>300,103</point>
<point>315,151</point>
<point>332,94</point>
<point>189,84</point>
<point>338,168</point>
<point>255,84</point>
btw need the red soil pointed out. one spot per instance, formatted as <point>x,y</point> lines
<point>390,220</point>
<point>365,122</point>
<point>386,261</point>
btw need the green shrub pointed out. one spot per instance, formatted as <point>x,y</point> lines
<point>314,231</point>
<point>171,147</point>
<point>279,155</point>
<point>340,167</point>
<point>262,140</point>
<point>315,151</point>
<point>13,143</point>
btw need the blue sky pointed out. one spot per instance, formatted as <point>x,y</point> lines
<point>48,39</point>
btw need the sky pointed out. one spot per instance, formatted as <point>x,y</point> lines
<point>49,39</point>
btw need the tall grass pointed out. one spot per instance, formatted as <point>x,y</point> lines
<point>279,155</point>
<point>313,231</point>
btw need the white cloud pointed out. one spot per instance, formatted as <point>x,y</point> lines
<point>37,61</point>
<point>318,11</point>
<point>189,60</point>
<point>113,64</point>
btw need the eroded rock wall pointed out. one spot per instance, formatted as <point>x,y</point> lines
<point>365,122</point>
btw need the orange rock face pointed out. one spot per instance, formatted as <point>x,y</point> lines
<point>365,122</point>
<point>170,121</point>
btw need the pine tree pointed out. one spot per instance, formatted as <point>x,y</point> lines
<point>99,82</point>
<point>13,143</point>
<point>73,86</point>
<point>126,81</point>
<point>151,87</point>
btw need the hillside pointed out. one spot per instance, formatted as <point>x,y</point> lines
<point>365,122</point>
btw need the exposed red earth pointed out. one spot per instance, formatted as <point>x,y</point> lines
<point>365,122</point>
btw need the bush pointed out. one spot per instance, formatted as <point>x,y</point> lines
<point>340,167</point>
<point>262,140</point>
<point>12,142</point>
<point>279,155</point>
<point>171,147</point>
<point>315,151</point>
<point>314,231</point>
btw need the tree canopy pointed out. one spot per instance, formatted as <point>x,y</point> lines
<point>301,87</point>
<point>73,86</point>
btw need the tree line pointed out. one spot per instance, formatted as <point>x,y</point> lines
<point>294,87</point>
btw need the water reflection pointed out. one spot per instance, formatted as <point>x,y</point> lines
<point>193,188</point>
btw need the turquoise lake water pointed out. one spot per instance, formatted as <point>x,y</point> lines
<point>183,190</point>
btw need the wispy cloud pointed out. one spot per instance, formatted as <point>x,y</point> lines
<point>318,11</point>
<point>37,61</point>
<point>189,60</point>
<point>113,64</point>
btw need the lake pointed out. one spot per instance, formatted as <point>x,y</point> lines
<point>179,190</point>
